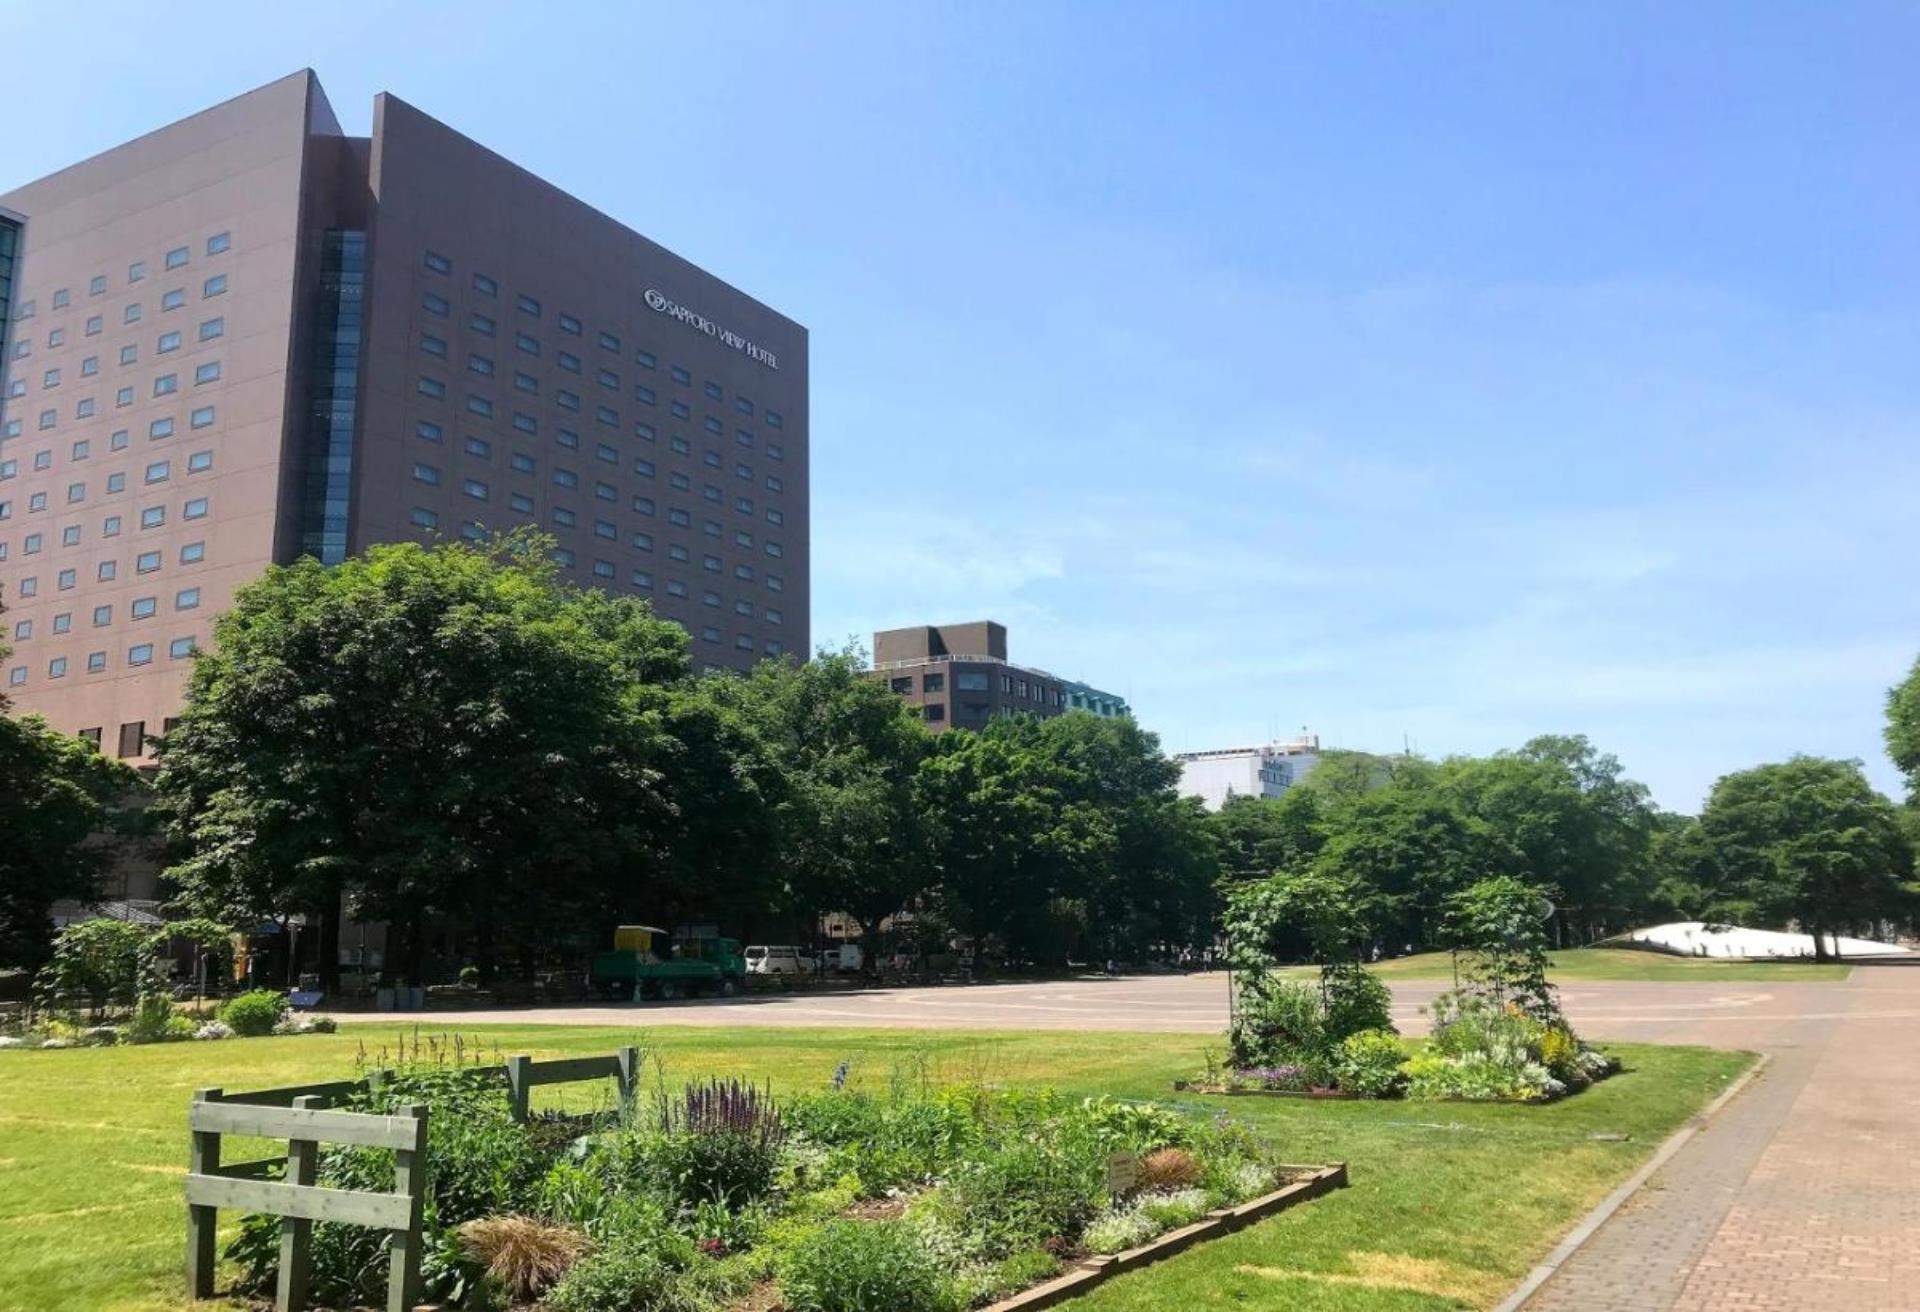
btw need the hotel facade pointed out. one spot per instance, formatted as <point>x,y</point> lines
<point>249,337</point>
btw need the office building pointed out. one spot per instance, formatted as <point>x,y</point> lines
<point>249,336</point>
<point>958,675</point>
<point>1267,770</point>
<point>1106,705</point>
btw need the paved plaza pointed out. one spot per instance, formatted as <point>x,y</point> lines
<point>1802,1193</point>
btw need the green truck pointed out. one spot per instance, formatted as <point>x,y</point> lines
<point>647,963</point>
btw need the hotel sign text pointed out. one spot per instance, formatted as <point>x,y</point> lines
<point>674,310</point>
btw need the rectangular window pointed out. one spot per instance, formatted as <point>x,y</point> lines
<point>214,286</point>
<point>174,299</point>
<point>569,324</point>
<point>140,654</point>
<point>424,518</point>
<point>206,373</point>
<point>438,263</point>
<point>485,285</point>
<point>146,562</point>
<point>177,257</point>
<point>527,305</point>
<point>144,608</point>
<point>437,306</point>
<point>428,431</point>
<point>432,345</point>
<point>168,342</point>
<point>201,418</point>
<point>199,462</point>
<point>194,509</point>
<point>219,242</point>
<point>213,328</point>
<point>193,553</point>
<point>428,474</point>
<point>180,648</point>
<point>187,599</point>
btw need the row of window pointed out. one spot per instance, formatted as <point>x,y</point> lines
<point>107,571</point>
<point>140,608</point>
<point>177,258</point>
<point>481,490</point>
<point>980,681</point>
<point>139,654</point>
<point>159,471</point>
<point>487,287</point>
<point>132,312</point>
<point>484,406</point>
<point>166,343</point>
<point>164,385</point>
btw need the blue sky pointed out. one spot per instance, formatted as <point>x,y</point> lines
<point>1443,375</point>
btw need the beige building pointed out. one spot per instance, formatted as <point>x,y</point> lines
<point>248,336</point>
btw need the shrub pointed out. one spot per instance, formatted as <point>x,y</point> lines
<point>1133,1126</point>
<point>1353,1000</point>
<point>1281,1021</point>
<point>214,1029</point>
<point>526,1255</point>
<point>1168,1168</point>
<point>1368,1064</point>
<point>254,1012</point>
<point>152,1019</point>
<point>1117,1230</point>
<point>1029,1191</point>
<point>637,1273</point>
<point>1477,1077</point>
<point>863,1266</point>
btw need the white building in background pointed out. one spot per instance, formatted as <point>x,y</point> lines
<point>1264,771</point>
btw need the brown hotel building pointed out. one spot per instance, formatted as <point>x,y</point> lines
<point>249,337</point>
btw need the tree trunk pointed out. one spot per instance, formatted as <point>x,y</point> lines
<point>328,940</point>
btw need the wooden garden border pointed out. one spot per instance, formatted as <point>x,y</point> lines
<point>1221,1221</point>
<point>295,1198</point>
<point>298,1113</point>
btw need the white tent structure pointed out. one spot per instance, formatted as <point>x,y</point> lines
<point>1695,938</point>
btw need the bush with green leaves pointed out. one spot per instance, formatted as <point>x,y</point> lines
<point>481,1162</point>
<point>254,1012</point>
<point>1017,1195</point>
<point>153,1020</point>
<point>102,963</point>
<point>1276,1022</point>
<point>1368,1064</point>
<point>864,1266</point>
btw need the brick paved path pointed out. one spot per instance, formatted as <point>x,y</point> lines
<point>1803,1194</point>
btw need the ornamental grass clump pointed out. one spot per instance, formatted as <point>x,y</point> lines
<point>526,1255</point>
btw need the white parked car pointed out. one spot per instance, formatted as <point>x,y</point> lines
<point>786,960</point>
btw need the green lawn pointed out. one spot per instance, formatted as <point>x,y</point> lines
<point>1450,1204</point>
<point>1576,964</point>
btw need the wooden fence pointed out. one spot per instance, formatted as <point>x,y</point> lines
<point>285,1187</point>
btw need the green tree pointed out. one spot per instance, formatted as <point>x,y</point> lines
<point>1410,845</point>
<point>429,732</point>
<point>1805,842</point>
<point>1575,820</point>
<point>1260,835</point>
<point>58,795</point>
<point>850,832</point>
<point>1903,729</point>
<point>104,961</point>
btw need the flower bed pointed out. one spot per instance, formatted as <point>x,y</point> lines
<point>720,1198</point>
<point>155,1019</point>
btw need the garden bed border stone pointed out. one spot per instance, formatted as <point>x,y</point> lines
<point>1091,1271</point>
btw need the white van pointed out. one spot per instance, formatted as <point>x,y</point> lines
<point>786,960</point>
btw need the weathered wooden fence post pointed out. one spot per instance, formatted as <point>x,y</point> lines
<point>409,1181</point>
<point>627,1078</point>
<point>519,1084</point>
<point>296,1233</point>
<point>203,1158</point>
